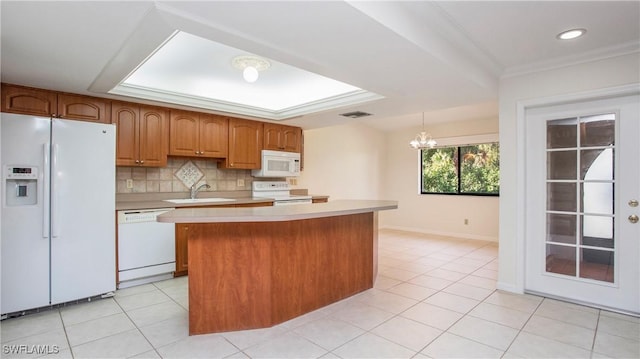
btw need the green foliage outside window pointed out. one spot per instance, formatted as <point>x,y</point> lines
<point>471,169</point>
<point>440,170</point>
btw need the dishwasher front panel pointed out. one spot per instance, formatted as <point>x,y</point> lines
<point>145,247</point>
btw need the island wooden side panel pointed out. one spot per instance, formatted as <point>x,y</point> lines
<point>320,261</point>
<point>258,274</point>
<point>229,278</point>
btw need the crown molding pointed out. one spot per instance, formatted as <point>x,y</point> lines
<point>351,98</point>
<point>566,61</point>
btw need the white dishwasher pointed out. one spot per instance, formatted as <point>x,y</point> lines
<point>146,248</point>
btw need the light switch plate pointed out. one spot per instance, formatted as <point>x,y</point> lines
<point>129,183</point>
<point>240,183</point>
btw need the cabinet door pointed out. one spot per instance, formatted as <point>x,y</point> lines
<point>183,133</point>
<point>214,136</point>
<point>272,134</point>
<point>125,117</point>
<point>153,137</point>
<point>282,138</point>
<point>291,139</point>
<point>28,101</point>
<point>182,254</point>
<point>245,144</point>
<point>84,108</point>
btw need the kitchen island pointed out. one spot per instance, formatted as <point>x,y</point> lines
<point>256,267</point>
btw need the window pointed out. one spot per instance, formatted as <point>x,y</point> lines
<point>465,170</point>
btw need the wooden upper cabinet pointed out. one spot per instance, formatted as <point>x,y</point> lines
<point>183,133</point>
<point>245,144</point>
<point>126,118</point>
<point>153,136</point>
<point>141,135</point>
<point>28,101</point>
<point>282,138</point>
<point>214,136</point>
<point>198,134</point>
<point>84,108</point>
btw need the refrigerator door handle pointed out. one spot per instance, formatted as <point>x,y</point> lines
<point>55,198</point>
<point>46,148</point>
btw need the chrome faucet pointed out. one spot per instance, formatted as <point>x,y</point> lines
<point>194,190</point>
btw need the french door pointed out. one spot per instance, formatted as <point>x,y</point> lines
<point>582,191</point>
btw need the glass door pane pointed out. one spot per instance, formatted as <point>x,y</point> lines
<point>580,197</point>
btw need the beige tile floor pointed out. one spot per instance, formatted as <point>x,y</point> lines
<point>434,297</point>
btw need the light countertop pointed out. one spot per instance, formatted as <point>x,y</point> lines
<point>157,200</point>
<point>153,204</point>
<point>275,213</point>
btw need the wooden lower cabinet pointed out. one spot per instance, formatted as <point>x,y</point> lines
<point>183,230</point>
<point>182,255</point>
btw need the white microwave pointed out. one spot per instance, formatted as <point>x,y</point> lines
<point>278,164</point>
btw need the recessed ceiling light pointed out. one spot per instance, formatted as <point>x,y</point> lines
<point>571,34</point>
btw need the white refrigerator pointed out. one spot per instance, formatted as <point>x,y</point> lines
<point>58,211</point>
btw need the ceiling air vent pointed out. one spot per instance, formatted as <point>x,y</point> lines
<point>355,114</point>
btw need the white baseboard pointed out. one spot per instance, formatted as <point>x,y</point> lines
<point>442,233</point>
<point>508,287</point>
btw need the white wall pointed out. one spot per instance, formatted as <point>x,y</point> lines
<point>600,74</point>
<point>355,161</point>
<point>344,162</point>
<point>436,214</point>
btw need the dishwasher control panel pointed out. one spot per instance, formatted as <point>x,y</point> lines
<point>138,216</point>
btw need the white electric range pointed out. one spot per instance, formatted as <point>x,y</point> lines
<point>279,191</point>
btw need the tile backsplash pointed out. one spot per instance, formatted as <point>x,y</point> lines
<point>179,174</point>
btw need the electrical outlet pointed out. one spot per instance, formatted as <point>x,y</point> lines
<point>293,181</point>
<point>240,183</point>
<point>129,183</point>
<point>466,221</point>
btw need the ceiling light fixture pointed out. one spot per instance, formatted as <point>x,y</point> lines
<point>423,139</point>
<point>250,66</point>
<point>571,34</point>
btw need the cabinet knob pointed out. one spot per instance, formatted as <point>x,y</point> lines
<point>141,161</point>
<point>137,161</point>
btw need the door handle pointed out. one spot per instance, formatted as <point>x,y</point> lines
<point>633,203</point>
<point>633,218</point>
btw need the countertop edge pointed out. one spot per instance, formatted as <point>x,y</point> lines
<point>155,204</point>
<point>275,213</point>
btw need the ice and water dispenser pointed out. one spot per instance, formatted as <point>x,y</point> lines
<point>21,185</point>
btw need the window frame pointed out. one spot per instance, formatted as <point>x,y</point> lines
<point>458,170</point>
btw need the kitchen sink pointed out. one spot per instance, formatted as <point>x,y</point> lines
<point>199,200</point>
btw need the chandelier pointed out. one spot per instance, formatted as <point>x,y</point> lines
<point>423,139</point>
